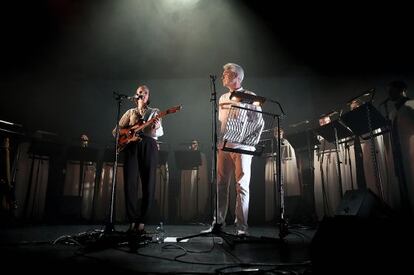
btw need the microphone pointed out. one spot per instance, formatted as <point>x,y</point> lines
<point>299,123</point>
<point>363,94</point>
<point>132,98</point>
<point>118,95</point>
<point>331,113</point>
<point>135,97</point>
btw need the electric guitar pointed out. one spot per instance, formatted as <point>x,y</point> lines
<point>129,134</point>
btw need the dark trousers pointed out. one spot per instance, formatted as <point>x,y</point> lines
<point>141,159</point>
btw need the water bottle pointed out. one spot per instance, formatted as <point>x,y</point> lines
<point>160,233</point>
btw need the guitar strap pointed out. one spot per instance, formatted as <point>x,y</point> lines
<point>149,113</point>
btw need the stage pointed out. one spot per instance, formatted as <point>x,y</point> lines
<point>32,248</point>
<point>337,245</point>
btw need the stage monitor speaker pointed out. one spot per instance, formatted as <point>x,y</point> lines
<point>356,245</point>
<point>362,203</point>
<point>363,237</point>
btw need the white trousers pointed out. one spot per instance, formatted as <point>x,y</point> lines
<point>229,163</point>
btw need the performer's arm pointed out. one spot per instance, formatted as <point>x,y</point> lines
<point>125,120</point>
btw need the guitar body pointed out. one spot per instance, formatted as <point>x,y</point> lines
<point>127,135</point>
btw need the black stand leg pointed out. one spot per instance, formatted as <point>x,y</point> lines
<point>216,229</point>
<point>215,232</point>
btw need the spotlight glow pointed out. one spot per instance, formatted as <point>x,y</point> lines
<point>181,4</point>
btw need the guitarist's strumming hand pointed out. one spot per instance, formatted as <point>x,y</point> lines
<point>156,124</point>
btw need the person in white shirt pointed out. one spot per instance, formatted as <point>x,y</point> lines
<point>231,163</point>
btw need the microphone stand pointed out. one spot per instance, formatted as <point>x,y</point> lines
<point>213,100</point>
<point>109,227</point>
<point>283,225</point>
<point>216,229</point>
<point>109,237</point>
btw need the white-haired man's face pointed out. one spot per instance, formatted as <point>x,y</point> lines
<point>230,79</point>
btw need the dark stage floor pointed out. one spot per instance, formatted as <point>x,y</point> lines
<point>339,245</point>
<point>55,249</point>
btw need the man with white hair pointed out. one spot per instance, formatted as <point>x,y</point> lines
<point>232,163</point>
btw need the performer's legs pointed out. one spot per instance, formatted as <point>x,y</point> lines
<point>148,160</point>
<point>225,168</point>
<point>131,182</point>
<point>242,172</point>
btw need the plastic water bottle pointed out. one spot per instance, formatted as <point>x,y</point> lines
<point>160,233</point>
